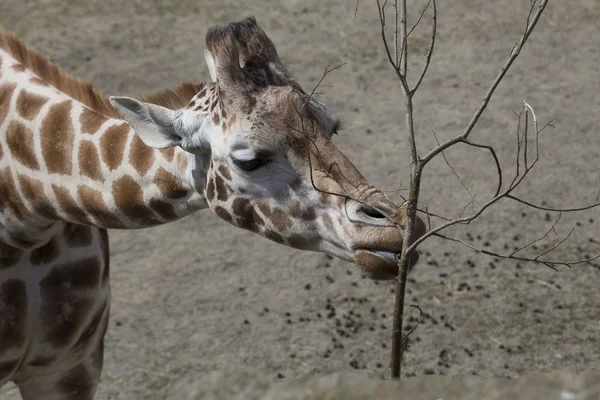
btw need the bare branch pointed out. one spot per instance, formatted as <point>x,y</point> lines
<point>552,229</point>
<point>430,49</point>
<point>550,264</point>
<point>516,50</point>
<point>561,210</point>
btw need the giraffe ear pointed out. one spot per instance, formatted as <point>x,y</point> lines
<point>152,123</point>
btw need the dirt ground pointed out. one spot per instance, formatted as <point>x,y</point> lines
<point>199,295</point>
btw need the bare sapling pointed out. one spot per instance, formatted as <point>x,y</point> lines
<point>528,131</point>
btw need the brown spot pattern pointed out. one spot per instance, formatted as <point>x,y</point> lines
<point>94,204</point>
<point>277,216</point>
<point>222,194</point>
<point>224,172</point>
<point>129,197</point>
<point>298,241</point>
<point>169,185</point>
<point>223,214</point>
<point>91,121</point>
<point>210,190</point>
<point>112,145</point>
<point>246,215</point>
<point>296,210</point>
<point>67,295</point>
<point>18,67</point>
<point>20,143</point>
<point>12,202</point>
<point>29,104</point>
<point>89,331</point>
<point>141,156</point>
<point>216,119</point>
<point>9,256</point>
<point>182,161</point>
<point>168,154</point>
<point>78,235</point>
<point>1,153</point>
<point>37,81</point>
<point>6,92</point>
<point>164,209</point>
<point>33,191</point>
<point>69,205</point>
<point>274,236</point>
<point>89,161</point>
<point>45,254</point>
<point>57,138</point>
<point>13,309</point>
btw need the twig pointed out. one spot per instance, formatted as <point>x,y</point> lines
<point>516,50</point>
<point>429,50</point>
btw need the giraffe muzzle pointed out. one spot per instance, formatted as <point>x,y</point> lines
<point>382,264</point>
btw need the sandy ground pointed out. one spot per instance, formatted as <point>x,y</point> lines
<point>199,295</point>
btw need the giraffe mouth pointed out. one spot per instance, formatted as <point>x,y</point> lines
<point>382,264</point>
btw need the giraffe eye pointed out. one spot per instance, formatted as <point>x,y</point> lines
<point>250,165</point>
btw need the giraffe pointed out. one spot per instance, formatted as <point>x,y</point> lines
<point>251,145</point>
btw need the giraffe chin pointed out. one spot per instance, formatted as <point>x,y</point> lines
<point>381,264</point>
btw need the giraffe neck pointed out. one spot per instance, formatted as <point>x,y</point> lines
<point>61,161</point>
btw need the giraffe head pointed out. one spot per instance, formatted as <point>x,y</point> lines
<point>261,153</point>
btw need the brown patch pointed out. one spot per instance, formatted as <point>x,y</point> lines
<point>37,81</point>
<point>210,190</point>
<point>170,185</point>
<point>29,104</point>
<point>33,190</point>
<point>105,247</point>
<point>164,209</point>
<point>14,202</point>
<point>42,361</point>
<point>216,119</point>
<point>296,210</point>
<point>69,206</point>
<point>77,383</point>
<point>78,235</point>
<point>91,121</point>
<point>6,92</point>
<point>223,214</point>
<point>224,126</point>
<point>328,222</point>
<point>274,236</point>
<point>232,120</point>
<point>20,143</point>
<point>222,194</point>
<point>297,241</point>
<point>277,216</point>
<point>168,154</point>
<point>13,309</point>
<point>7,368</point>
<point>93,327</point>
<point>1,152</point>
<point>89,161</point>
<point>67,295</point>
<point>18,67</point>
<point>141,156</point>
<point>112,145</point>
<point>246,215</point>
<point>224,172</point>
<point>182,161</point>
<point>93,202</point>
<point>57,138</point>
<point>9,256</point>
<point>45,254</point>
<point>129,198</point>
